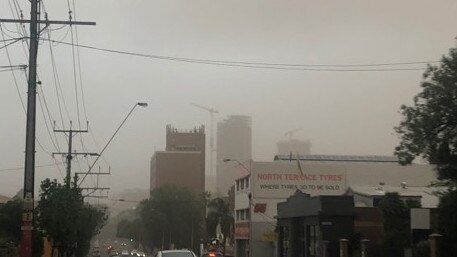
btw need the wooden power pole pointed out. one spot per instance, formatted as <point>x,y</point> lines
<point>29,172</point>
<point>70,133</point>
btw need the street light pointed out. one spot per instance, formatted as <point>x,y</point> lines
<point>142,104</point>
<point>251,240</point>
<point>239,164</point>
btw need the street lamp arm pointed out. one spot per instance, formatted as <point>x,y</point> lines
<point>111,139</point>
<point>239,164</point>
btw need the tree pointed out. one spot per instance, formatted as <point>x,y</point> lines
<point>396,224</point>
<point>219,215</point>
<point>67,221</point>
<point>10,227</point>
<point>429,130</point>
<point>172,215</point>
<point>131,230</point>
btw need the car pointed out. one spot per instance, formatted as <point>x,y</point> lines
<point>113,253</point>
<point>175,253</point>
<point>212,254</point>
<point>141,254</point>
<point>96,253</point>
<point>134,252</point>
<point>125,253</point>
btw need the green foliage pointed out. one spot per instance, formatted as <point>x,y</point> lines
<point>448,222</point>
<point>129,229</point>
<point>10,227</point>
<point>422,249</point>
<point>219,214</point>
<point>428,127</point>
<point>10,221</point>
<point>428,130</point>
<point>172,215</point>
<point>66,220</point>
<point>396,224</point>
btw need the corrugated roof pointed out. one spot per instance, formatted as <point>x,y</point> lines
<point>341,158</point>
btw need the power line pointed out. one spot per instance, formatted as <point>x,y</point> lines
<point>57,84</point>
<point>6,45</point>
<point>37,166</point>
<point>262,65</point>
<point>12,70</point>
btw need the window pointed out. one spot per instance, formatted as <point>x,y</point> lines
<point>247,182</point>
<point>237,214</point>
<point>247,214</point>
<point>237,185</point>
<point>242,214</point>
<point>242,184</point>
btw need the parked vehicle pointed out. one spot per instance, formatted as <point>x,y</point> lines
<point>96,252</point>
<point>175,253</point>
<point>212,254</point>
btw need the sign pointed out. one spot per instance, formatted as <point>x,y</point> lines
<point>260,207</point>
<point>420,218</point>
<point>242,230</point>
<point>282,179</point>
<point>270,236</point>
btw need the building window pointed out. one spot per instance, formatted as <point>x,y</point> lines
<point>247,182</point>
<point>247,214</point>
<point>237,214</point>
<point>237,185</point>
<point>242,215</point>
<point>242,184</point>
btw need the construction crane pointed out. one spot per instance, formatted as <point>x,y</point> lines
<point>291,133</point>
<point>211,139</point>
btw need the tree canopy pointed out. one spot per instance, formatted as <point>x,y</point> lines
<point>219,214</point>
<point>429,130</point>
<point>10,227</point>
<point>429,127</point>
<point>66,220</point>
<point>171,216</point>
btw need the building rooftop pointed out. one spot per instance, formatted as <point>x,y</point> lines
<point>428,198</point>
<point>338,158</point>
<point>4,199</point>
<point>194,130</point>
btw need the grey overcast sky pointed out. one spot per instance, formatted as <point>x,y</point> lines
<point>340,112</point>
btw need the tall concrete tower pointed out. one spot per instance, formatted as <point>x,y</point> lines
<point>234,141</point>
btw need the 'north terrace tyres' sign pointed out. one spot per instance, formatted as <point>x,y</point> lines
<point>284,182</point>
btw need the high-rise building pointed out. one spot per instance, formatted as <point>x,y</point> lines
<point>234,142</point>
<point>183,161</point>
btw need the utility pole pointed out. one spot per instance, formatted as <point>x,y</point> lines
<point>69,155</point>
<point>29,170</point>
<point>96,188</point>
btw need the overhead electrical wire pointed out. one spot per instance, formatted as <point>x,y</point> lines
<point>263,65</point>
<point>6,45</point>
<point>12,70</point>
<point>36,166</point>
<point>79,64</point>
<point>57,85</point>
<point>71,14</point>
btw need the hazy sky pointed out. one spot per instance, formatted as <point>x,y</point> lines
<point>340,112</point>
